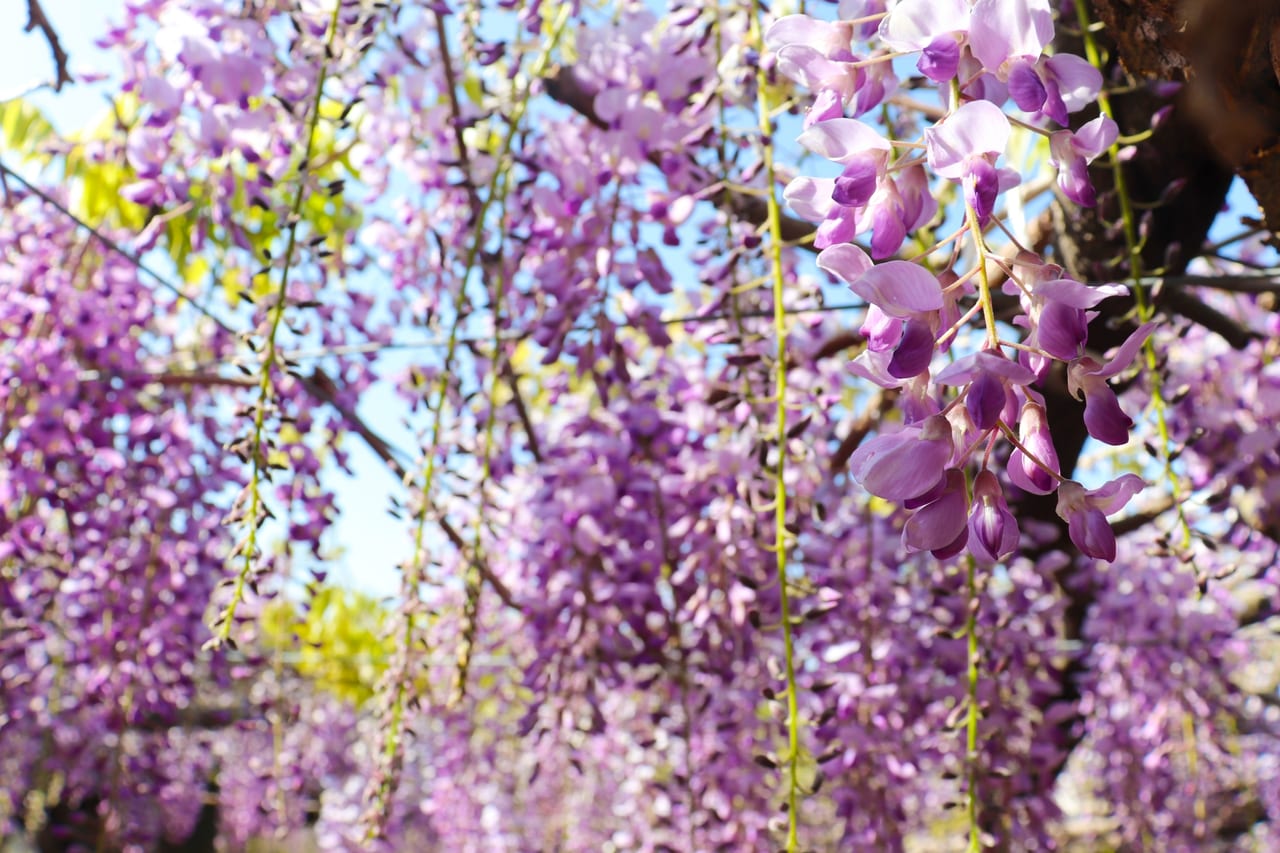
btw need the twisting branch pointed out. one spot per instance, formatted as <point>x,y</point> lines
<point>563,86</point>
<point>36,18</point>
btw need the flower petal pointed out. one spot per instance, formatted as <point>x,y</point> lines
<point>938,524</point>
<point>1002,29</point>
<point>1103,417</point>
<point>975,129</point>
<point>843,139</point>
<point>810,198</point>
<point>913,24</point>
<point>845,261</point>
<point>900,288</point>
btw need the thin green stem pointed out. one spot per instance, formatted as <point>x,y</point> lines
<point>257,457</point>
<point>1145,312</point>
<point>974,709</point>
<point>413,575</point>
<point>780,543</point>
<point>1133,248</point>
<point>984,280</point>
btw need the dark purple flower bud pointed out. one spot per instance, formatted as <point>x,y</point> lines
<point>994,532</point>
<point>1033,434</point>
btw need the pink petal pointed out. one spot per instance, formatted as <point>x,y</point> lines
<point>825,36</point>
<point>974,129</point>
<point>810,198</point>
<point>1078,81</point>
<point>845,261</point>
<point>842,139</point>
<point>1002,29</point>
<point>1112,496</point>
<point>900,288</point>
<point>913,24</point>
<point>1075,294</point>
<point>1125,353</point>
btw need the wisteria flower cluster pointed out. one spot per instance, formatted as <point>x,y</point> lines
<point>985,54</point>
<point>834,431</point>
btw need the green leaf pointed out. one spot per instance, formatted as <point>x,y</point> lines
<point>23,128</point>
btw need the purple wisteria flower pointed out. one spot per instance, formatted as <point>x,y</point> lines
<point>964,147</point>
<point>905,464</point>
<point>1057,312</point>
<point>1086,511</point>
<point>998,33</point>
<point>816,54</point>
<point>903,314</point>
<point>992,528</point>
<point>1002,31</point>
<point>936,29</point>
<point>1103,417</point>
<point>1054,86</point>
<point>990,376</point>
<point>862,151</point>
<point>897,204</point>
<point>1071,152</point>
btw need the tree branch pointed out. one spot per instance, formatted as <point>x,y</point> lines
<point>36,18</point>
<point>564,86</point>
<point>323,388</point>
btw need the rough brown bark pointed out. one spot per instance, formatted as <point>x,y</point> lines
<point>1228,54</point>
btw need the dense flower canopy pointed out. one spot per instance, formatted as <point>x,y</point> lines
<point>845,427</point>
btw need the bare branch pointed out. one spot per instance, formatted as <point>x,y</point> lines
<point>324,389</point>
<point>36,18</point>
